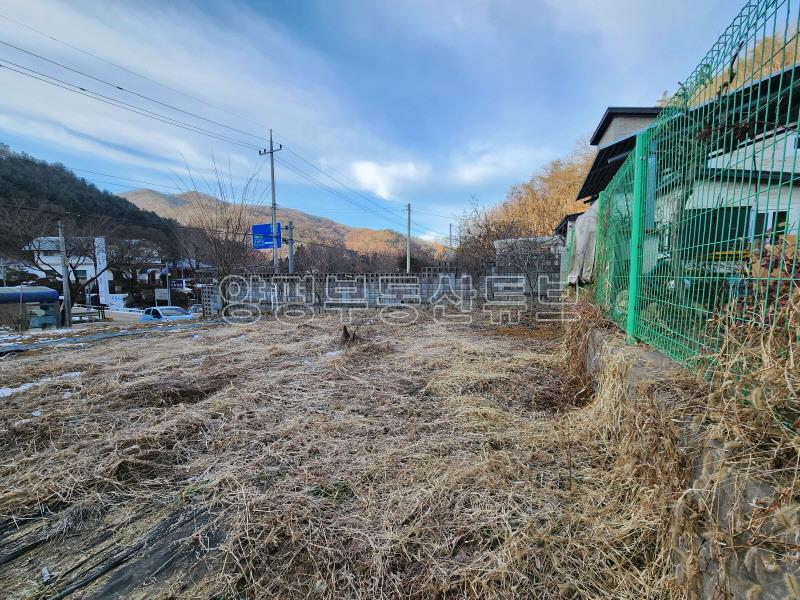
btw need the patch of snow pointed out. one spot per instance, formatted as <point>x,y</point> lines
<point>334,353</point>
<point>37,413</point>
<point>5,392</point>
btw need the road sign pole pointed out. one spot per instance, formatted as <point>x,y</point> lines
<point>290,241</point>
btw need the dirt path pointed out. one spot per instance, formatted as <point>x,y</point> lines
<point>271,461</point>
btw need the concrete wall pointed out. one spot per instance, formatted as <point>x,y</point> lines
<point>502,285</point>
<point>622,127</point>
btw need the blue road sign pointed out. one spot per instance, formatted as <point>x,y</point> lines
<point>262,236</point>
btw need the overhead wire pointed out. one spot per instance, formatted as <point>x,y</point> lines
<point>143,112</point>
<point>171,120</point>
<point>71,87</point>
<point>123,89</point>
<point>127,70</point>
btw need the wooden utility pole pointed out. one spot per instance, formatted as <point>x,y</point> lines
<point>65,277</point>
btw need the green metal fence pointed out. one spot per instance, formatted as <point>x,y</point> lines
<point>702,219</point>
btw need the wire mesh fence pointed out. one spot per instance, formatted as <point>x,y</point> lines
<point>702,218</point>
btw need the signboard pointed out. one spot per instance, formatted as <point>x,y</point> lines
<point>162,294</point>
<point>101,267</point>
<point>262,236</point>
<point>117,301</point>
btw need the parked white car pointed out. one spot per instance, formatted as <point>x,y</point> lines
<point>166,313</point>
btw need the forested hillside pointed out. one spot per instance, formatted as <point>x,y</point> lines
<point>184,207</point>
<point>28,183</point>
<point>531,208</point>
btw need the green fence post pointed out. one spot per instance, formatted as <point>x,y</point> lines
<point>637,226</point>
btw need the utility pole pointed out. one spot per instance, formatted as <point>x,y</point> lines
<point>169,293</point>
<point>408,241</point>
<point>65,277</point>
<point>272,150</point>
<point>451,238</point>
<point>291,247</point>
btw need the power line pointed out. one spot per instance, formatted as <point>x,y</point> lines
<point>431,214</point>
<point>310,211</point>
<point>333,191</point>
<point>368,199</point>
<point>174,187</point>
<point>143,96</point>
<point>71,87</point>
<point>127,70</point>
<point>164,104</point>
<point>331,177</point>
<point>165,118</point>
<point>137,94</point>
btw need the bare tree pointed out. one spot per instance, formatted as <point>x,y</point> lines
<point>28,238</point>
<point>130,257</point>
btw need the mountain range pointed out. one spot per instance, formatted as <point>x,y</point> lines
<point>307,227</point>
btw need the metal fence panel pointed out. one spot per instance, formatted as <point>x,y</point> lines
<point>702,219</point>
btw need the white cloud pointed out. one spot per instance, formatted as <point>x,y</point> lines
<point>386,179</point>
<point>630,32</point>
<point>479,165</point>
<point>234,60</point>
<point>430,236</point>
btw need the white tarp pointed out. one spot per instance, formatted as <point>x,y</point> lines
<point>583,256</point>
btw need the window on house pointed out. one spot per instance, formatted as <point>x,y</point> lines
<point>711,230</point>
<point>768,224</point>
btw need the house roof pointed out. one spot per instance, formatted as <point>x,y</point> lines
<point>610,158</point>
<point>621,111</point>
<point>606,164</point>
<point>27,293</point>
<point>752,104</point>
<point>562,224</point>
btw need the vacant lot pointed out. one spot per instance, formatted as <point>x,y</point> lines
<point>272,460</point>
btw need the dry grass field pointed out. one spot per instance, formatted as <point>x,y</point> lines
<point>278,461</point>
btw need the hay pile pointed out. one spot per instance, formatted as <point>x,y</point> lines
<point>269,461</point>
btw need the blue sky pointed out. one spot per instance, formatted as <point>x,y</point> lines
<point>430,103</point>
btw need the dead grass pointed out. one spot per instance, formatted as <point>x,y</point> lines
<point>420,461</point>
<point>743,504</point>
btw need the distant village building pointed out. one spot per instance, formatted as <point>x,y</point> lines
<point>86,264</point>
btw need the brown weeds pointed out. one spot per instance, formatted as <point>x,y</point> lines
<point>423,461</point>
